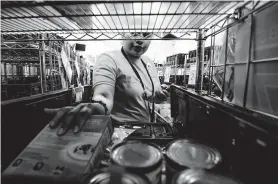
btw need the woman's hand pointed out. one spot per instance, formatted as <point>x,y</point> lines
<point>71,117</point>
<point>74,117</point>
<point>162,95</point>
<point>159,96</point>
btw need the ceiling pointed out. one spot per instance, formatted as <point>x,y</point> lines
<point>96,17</point>
<point>87,20</point>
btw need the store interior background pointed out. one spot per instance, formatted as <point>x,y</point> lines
<point>158,51</point>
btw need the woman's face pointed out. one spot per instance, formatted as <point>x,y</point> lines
<point>136,48</point>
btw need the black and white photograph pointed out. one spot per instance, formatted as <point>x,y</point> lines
<point>139,92</point>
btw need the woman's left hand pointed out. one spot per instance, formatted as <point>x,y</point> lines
<point>159,96</point>
<point>162,95</point>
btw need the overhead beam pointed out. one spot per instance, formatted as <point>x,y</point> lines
<point>56,3</point>
<point>7,39</point>
<point>104,15</point>
<point>101,39</point>
<point>81,31</point>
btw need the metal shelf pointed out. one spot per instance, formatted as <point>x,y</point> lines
<point>98,20</point>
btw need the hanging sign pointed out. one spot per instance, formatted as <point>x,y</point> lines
<point>192,75</point>
<point>66,64</point>
<point>76,65</point>
<point>167,74</point>
<point>78,96</point>
<point>79,93</point>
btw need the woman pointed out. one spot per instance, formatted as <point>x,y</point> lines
<point>125,85</point>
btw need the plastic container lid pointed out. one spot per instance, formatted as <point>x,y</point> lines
<point>135,154</point>
<point>127,178</point>
<point>193,176</point>
<point>192,154</point>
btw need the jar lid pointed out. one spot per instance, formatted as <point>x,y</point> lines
<point>192,154</point>
<point>135,154</point>
<point>194,176</point>
<point>127,178</point>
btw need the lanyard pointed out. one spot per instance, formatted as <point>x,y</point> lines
<point>142,84</point>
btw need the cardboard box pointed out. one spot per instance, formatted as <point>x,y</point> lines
<point>66,159</point>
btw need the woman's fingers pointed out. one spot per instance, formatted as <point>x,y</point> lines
<point>82,117</point>
<point>164,86</point>
<point>51,111</point>
<point>147,96</point>
<point>166,93</point>
<point>161,95</point>
<point>68,120</point>
<point>60,114</point>
<point>70,117</point>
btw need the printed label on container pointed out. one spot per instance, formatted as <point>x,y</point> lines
<point>65,157</point>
